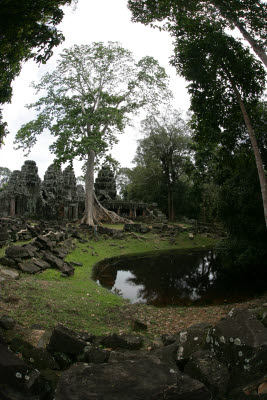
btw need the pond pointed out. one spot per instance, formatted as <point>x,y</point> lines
<point>175,278</point>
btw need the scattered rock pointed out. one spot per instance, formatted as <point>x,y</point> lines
<point>7,322</point>
<point>115,341</point>
<point>29,266</point>
<point>9,273</point>
<point>17,252</point>
<point>95,355</point>
<point>63,340</point>
<point>191,340</point>
<point>138,325</point>
<point>204,366</point>
<point>145,378</point>
<point>240,341</point>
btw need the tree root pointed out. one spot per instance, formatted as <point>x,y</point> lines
<point>136,236</point>
<point>102,215</point>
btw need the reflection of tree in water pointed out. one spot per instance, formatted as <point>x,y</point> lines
<point>105,274</point>
<point>173,279</point>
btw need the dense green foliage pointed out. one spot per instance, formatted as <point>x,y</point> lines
<point>163,167</point>
<point>226,84</point>
<point>4,176</point>
<point>27,30</point>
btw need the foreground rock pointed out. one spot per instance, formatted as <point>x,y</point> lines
<point>18,381</point>
<point>240,342</point>
<point>145,378</point>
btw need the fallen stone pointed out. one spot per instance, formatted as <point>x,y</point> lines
<point>29,266</point>
<point>145,378</point>
<point>16,252</point>
<point>67,269</point>
<point>167,354</point>
<point>16,374</point>
<point>37,357</point>
<point>8,262</point>
<point>7,322</point>
<point>44,243</point>
<point>75,264</point>
<point>64,340</point>
<point>240,341</point>
<point>204,366</point>
<point>95,355</point>
<point>191,340</point>
<point>138,325</point>
<point>41,264</point>
<point>169,339</point>
<point>54,261</point>
<point>115,341</point>
<point>9,273</point>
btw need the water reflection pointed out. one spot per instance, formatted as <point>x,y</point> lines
<point>169,278</point>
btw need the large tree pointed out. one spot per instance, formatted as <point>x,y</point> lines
<point>28,29</point>
<point>248,16</point>
<point>87,100</point>
<point>165,147</point>
<point>226,82</point>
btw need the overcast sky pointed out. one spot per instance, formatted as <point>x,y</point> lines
<point>93,21</point>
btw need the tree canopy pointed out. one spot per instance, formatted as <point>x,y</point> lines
<point>226,82</point>
<point>249,16</point>
<point>88,99</point>
<point>28,29</point>
<point>161,156</point>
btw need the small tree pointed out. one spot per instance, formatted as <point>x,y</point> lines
<point>4,176</point>
<point>167,143</point>
<point>88,99</point>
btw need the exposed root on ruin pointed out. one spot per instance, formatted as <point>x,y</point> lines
<point>101,215</point>
<point>139,237</point>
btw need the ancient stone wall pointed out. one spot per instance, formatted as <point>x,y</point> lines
<point>54,198</point>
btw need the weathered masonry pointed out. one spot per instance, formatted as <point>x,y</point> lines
<point>59,197</point>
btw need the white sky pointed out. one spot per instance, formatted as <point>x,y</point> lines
<point>93,21</point>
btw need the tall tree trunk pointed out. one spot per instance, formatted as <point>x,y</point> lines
<point>261,173</point>
<point>258,49</point>
<point>94,211</point>
<point>88,217</point>
<point>172,204</point>
<point>169,202</point>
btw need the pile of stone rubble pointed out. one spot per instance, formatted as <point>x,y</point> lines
<point>225,361</point>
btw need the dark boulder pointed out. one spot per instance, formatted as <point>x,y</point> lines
<point>115,341</point>
<point>7,262</point>
<point>205,367</point>
<point>95,355</point>
<point>54,261</point>
<point>16,374</point>
<point>17,252</point>
<point>240,342</point>
<point>7,322</point>
<point>29,266</point>
<point>145,378</point>
<point>191,340</point>
<point>42,242</point>
<point>64,340</point>
<point>41,264</point>
<point>37,357</point>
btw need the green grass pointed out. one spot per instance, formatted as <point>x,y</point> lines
<point>78,301</point>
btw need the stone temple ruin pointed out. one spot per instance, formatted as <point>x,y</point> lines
<point>59,197</point>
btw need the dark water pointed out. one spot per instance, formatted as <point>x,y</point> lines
<point>175,278</point>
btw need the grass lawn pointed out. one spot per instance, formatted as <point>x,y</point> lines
<point>78,302</point>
